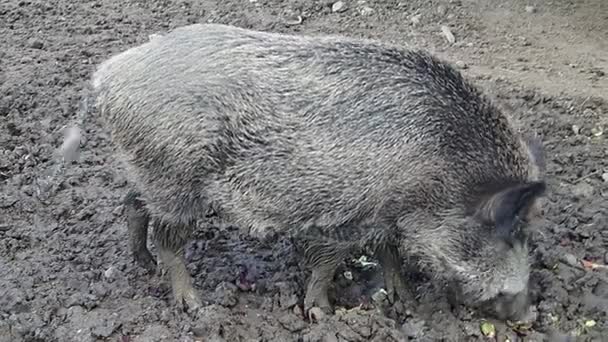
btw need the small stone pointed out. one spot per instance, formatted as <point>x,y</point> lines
<point>153,36</point>
<point>576,129</point>
<point>447,33</point>
<point>338,7</point>
<point>471,329</point>
<point>293,20</point>
<point>379,296</point>
<point>7,201</point>
<point>348,275</point>
<point>569,259</point>
<point>297,310</point>
<point>605,176</point>
<point>226,294</point>
<point>441,10</point>
<point>583,190</point>
<point>597,131</point>
<point>35,43</point>
<point>590,323</point>
<point>366,10</point>
<point>316,314</point>
<point>416,19</point>
<point>110,273</point>
<point>530,9</point>
<point>461,65</point>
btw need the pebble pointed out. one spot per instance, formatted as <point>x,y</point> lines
<point>416,19</point>
<point>601,289</point>
<point>153,36</point>
<point>25,60</point>
<point>110,273</point>
<point>338,7</point>
<point>576,129</point>
<point>530,9</point>
<point>293,20</point>
<point>441,10</point>
<point>569,259</point>
<point>316,314</point>
<point>597,131</point>
<point>226,294</point>
<point>366,10</point>
<point>7,200</point>
<point>379,296</point>
<point>461,65</point>
<point>35,43</point>
<point>447,33</point>
<point>605,176</point>
<point>582,190</point>
<point>471,329</point>
<point>297,310</point>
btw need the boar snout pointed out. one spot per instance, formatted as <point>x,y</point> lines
<point>510,306</point>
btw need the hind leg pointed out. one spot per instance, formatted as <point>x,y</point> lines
<point>137,224</point>
<point>396,289</point>
<point>170,240</point>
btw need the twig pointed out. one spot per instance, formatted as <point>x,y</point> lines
<point>586,176</point>
<point>593,266</point>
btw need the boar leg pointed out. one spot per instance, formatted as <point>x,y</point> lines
<point>137,225</point>
<point>396,289</point>
<point>323,258</point>
<point>170,240</point>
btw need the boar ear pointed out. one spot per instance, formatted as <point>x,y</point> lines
<point>505,207</point>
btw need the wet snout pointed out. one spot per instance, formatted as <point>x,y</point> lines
<point>510,306</point>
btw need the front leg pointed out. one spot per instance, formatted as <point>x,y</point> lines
<point>392,268</point>
<point>323,257</point>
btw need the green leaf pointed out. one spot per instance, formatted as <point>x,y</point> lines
<point>590,323</point>
<point>488,329</point>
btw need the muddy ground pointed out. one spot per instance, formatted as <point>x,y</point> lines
<point>65,270</point>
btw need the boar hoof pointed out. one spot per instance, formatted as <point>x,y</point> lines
<point>317,314</point>
<point>186,297</point>
<point>144,259</point>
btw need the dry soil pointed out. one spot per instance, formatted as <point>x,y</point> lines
<point>65,270</point>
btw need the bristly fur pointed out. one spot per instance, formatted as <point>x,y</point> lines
<point>344,140</point>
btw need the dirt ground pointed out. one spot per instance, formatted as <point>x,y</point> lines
<point>65,269</point>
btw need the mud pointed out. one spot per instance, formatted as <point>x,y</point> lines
<point>65,270</point>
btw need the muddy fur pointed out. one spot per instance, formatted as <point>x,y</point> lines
<point>342,143</point>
